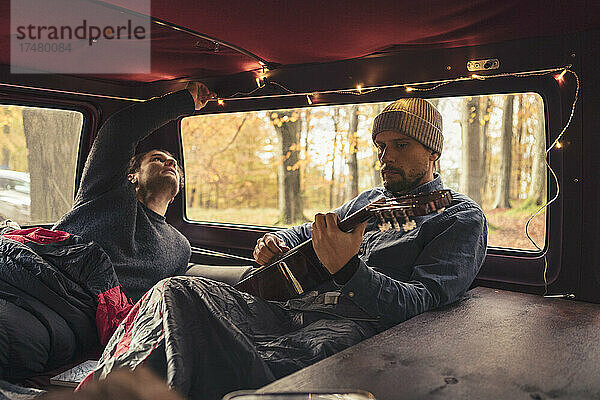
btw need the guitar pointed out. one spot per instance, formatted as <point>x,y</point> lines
<point>299,270</point>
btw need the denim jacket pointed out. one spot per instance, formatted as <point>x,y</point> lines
<point>401,274</point>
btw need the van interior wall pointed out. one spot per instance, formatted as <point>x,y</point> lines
<point>573,255</point>
<point>589,278</point>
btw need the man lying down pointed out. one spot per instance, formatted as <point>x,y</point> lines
<point>207,338</point>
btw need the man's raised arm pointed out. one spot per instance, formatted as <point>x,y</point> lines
<point>118,137</point>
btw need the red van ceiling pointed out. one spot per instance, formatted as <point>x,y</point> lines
<point>293,32</point>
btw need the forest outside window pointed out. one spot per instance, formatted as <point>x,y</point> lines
<point>280,167</point>
<point>38,158</point>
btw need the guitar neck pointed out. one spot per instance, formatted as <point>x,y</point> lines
<point>346,225</point>
<point>411,205</point>
<point>354,219</point>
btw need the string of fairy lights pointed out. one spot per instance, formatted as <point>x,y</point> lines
<point>559,74</point>
<point>555,144</point>
<point>262,80</point>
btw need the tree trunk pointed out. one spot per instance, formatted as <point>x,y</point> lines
<point>375,167</point>
<point>471,177</point>
<point>486,110</point>
<point>336,125</point>
<point>436,164</point>
<point>50,136</point>
<point>307,132</point>
<point>351,159</point>
<point>537,190</point>
<point>217,195</point>
<point>517,148</point>
<point>288,126</point>
<point>503,188</point>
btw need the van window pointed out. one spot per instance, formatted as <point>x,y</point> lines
<point>280,167</point>
<point>38,157</point>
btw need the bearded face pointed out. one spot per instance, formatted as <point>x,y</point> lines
<point>158,173</point>
<point>405,163</point>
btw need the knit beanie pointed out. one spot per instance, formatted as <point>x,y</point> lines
<point>413,117</point>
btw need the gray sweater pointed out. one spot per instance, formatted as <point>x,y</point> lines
<point>142,246</point>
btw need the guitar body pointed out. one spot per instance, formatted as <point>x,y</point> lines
<point>299,270</point>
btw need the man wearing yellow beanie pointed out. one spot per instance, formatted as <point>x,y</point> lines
<point>397,275</point>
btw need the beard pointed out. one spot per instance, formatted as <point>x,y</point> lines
<point>400,183</point>
<point>160,183</point>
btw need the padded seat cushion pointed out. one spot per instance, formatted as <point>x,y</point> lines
<point>222,273</point>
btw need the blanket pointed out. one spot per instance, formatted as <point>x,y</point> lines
<point>206,339</point>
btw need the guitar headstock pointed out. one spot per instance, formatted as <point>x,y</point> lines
<point>397,212</point>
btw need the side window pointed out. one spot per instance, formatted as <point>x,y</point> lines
<point>280,167</point>
<point>38,157</point>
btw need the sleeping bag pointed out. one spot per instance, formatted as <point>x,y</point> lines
<point>59,297</point>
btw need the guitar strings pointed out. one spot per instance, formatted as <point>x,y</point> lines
<point>213,253</point>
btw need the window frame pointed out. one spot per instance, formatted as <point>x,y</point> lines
<point>214,234</point>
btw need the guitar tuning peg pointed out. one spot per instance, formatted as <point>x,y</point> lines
<point>383,225</point>
<point>395,223</point>
<point>409,225</point>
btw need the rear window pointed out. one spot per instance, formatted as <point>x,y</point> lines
<point>38,157</point>
<point>280,167</point>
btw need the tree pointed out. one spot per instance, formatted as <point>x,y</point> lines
<point>351,158</point>
<point>486,110</point>
<point>472,171</point>
<point>50,135</point>
<point>436,164</point>
<point>503,187</point>
<point>537,190</point>
<point>520,165</point>
<point>375,166</point>
<point>305,150</point>
<point>288,126</point>
<point>229,163</point>
<point>12,139</point>
<point>336,125</point>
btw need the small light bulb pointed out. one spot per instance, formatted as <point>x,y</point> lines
<point>359,89</point>
<point>220,102</point>
<point>308,99</point>
<point>559,145</point>
<point>560,77</point>
<point>409,89</point>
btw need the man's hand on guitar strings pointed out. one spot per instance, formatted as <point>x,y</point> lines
<point>333,246</point>
<point>268,248</point>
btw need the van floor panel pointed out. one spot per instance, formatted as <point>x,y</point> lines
<point>494,344</point>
